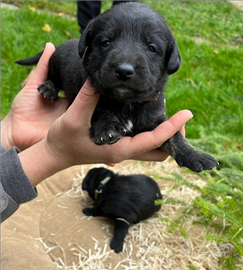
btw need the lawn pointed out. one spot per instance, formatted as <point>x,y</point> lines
<point>209,83</point>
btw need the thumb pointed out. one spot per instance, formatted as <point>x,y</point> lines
<point>39,75</point>
<point>84,104</point>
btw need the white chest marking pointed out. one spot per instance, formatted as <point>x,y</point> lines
<point>129,125</point>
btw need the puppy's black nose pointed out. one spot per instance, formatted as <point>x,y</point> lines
<point>124,71</point>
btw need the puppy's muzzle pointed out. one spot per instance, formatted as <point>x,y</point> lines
<point>124,71</point>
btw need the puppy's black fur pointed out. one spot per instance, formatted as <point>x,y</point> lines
<point>125,199</point>
<point>128,53</point>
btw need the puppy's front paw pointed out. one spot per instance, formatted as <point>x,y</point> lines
<point>88,211</point>
<point>116,245</point>
<point>110,134</point>
<point>196,161</point>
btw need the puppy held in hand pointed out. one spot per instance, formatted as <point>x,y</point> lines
<point>127,199</point>
<point>128,52</point>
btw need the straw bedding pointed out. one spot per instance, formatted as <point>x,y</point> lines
<point>73,241</point>
<point>148,244</point>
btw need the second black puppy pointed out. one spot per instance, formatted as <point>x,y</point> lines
<point>125,199</point>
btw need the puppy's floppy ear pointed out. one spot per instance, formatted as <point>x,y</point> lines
<point>174,61</point>
<point>84,41</point>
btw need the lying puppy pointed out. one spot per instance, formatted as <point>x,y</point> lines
<point>125,199</point>
<point>128,53</point>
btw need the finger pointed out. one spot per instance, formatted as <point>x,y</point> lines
<point>111,164</point>
<point>171,126</point>
<point>147,141</point>
<point>183,131</point>
<point>39,75</point>
<point>153,155</point>
<point>84,104</point>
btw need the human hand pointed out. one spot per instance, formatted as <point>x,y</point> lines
<point>69,143</point>
<point>31,116</point>
<point>155,154</point>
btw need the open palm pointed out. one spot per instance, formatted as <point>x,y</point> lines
<point>31,115</point>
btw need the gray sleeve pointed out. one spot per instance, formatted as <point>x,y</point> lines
<point>15,187</point>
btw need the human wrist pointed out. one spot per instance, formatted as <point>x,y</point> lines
<point>38,162</point>
<point>6,133</point>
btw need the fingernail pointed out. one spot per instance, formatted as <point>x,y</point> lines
<point>48,44</point>
<point>111,164</point>
<point>188,111</point>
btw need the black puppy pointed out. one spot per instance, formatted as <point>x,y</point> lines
<point>125,199</point>
<point>128,53</point>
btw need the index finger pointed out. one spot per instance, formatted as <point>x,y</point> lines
<point>146,141</point>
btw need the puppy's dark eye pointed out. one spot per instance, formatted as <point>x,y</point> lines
<point>152,48</point>
<point>105,44</point>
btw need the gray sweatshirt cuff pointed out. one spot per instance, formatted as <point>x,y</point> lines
<point>14,181</point>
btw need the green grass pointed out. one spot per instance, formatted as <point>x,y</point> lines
<point>214,21</point>
<point>209,83</point>
<point>67,7</point>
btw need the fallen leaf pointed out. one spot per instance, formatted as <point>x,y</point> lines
<point>46,27</point>
<point>190,80</point>
<point>32,8</point>
<point>67,33</point>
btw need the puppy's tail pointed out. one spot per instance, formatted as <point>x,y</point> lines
<point>30,61</point>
